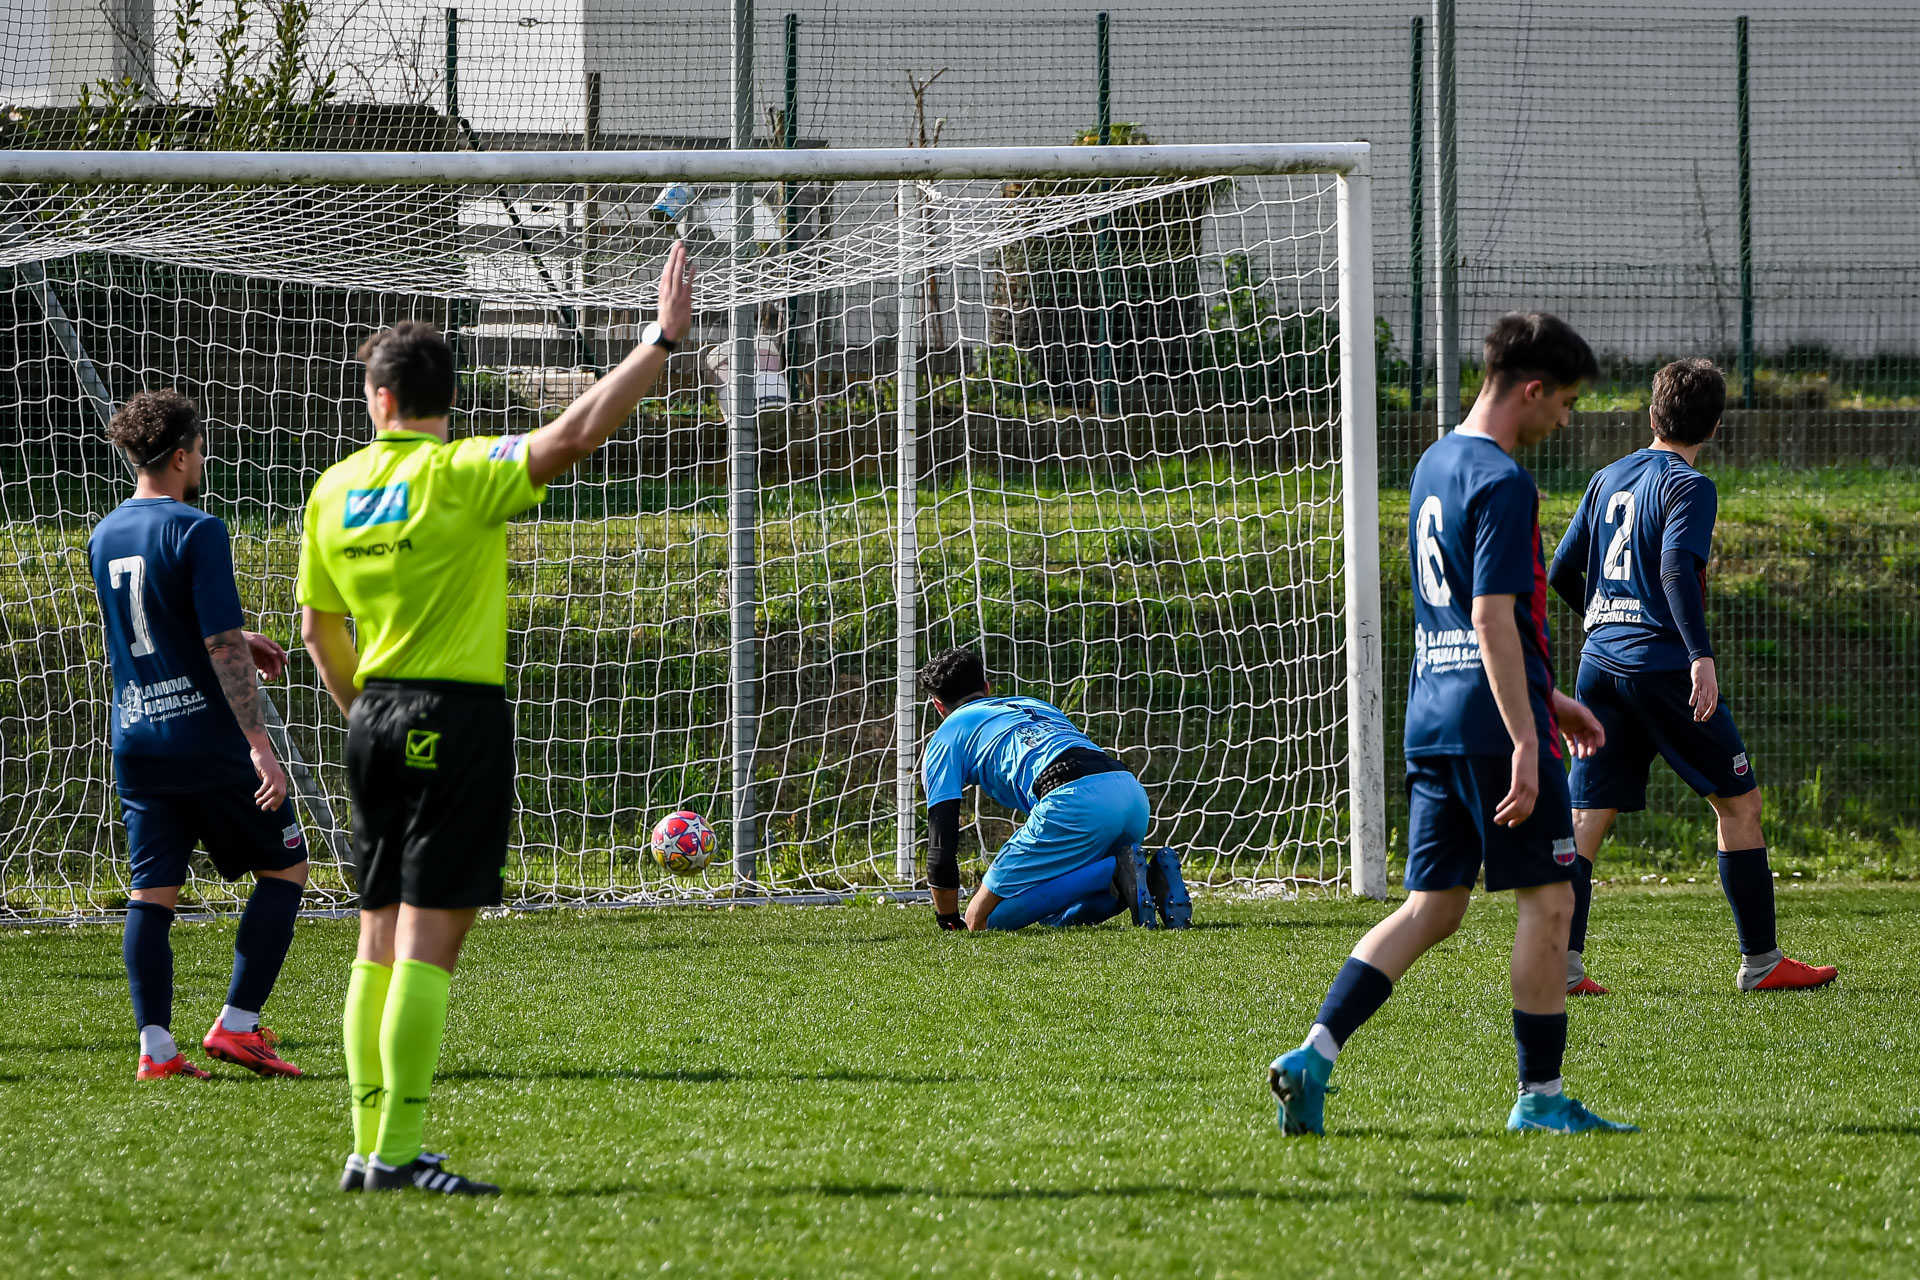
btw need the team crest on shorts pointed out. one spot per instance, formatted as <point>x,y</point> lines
<point>1563,851</point>
<point>1740,765</point>
<point>291,836</point>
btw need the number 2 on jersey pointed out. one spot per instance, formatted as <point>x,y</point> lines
<point>135,569</point>
<point>1619,559</point>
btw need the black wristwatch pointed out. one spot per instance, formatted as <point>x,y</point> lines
<point>654,336</point>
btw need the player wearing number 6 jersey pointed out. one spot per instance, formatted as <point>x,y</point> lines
<point>1485,782</point>
<point>191,758</point>
<point>1633,564</point>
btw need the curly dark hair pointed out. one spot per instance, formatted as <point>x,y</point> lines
<point>1688,399</point>
<point>414,362</point>
<point>152,425</point>
<point>954,676</point>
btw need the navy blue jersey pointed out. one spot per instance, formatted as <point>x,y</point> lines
<point>1636,510</point>
<point>999,745</point>
<point>1474,530</point>
<point>164,574</point>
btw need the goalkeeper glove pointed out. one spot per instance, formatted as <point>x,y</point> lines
<point>951,921</point>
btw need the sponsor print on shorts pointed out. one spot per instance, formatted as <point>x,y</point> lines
<point>1563,851</point>
<point>1740,765</point>
<point>385,505</point>
<point>423,749</point>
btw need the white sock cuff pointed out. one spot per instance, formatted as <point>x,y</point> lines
<point>232,1019</point>
<point>1321,1041</point>
<point>1547,1088</point>
<point>156,1042</point>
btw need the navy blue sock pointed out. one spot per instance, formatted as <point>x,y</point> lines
<point>149,958</point>
<point>1748,882</point>
<point>1582,903</point>
<point>266,931</point>
<point>1357,993</point>
<point>1541,1039</point>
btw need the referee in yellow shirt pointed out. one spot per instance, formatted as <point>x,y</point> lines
<point>408,537</point>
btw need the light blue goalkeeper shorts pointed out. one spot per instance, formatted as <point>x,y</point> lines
<point>1072,825</point>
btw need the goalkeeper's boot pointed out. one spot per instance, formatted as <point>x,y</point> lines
<point>1130,886</point>
<point>354,1176</point>
<point>1299,1080</point>
<point>1537,1113</point>
<point>1777,972</point>
<point>253,1050</point>
<point>1169,890</point>
<point>428,1172</point>
<point>177,1065</point>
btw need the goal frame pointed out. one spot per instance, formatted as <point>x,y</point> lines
<point>1347,162</point>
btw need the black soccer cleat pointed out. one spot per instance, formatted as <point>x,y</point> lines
<point>428,1172</point>
<point>354,1176</point>
<point>1130,886</point>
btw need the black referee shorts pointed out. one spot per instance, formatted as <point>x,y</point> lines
<point>430,772</point>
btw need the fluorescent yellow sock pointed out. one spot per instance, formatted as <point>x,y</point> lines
<point>416,1017</point>
<point>360,1032</point>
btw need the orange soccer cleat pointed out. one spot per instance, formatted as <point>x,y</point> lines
<point>177,1065</point>
<point>250,1049</point>
<point>1586,987</point>
<point>1791,975</point>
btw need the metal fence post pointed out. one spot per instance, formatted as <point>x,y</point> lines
<point>743,480</point>
<point>1417,213</point>
<point>1746,218</point>
<point>1360,505</point>
<point>906,557</point>
<point>1447,312</point>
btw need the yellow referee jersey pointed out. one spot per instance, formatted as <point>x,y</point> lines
<point>409,536</point>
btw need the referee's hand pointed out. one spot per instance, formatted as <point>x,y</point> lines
<point>676,294</point>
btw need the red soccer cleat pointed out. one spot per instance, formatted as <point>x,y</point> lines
<point>177,1065</point>
<point>1587,987</point>
<point>1794,975</point>
<point>250,1049</point>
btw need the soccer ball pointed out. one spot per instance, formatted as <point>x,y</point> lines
<point>683,842</point>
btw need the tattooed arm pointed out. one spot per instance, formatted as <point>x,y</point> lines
<point>233,662</point>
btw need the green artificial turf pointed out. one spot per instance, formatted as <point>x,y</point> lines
<point>845,1091</point>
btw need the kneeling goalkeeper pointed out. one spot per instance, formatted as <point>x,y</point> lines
<point>1076,859</point>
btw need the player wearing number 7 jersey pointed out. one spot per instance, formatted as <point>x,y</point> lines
<point>191,758</point>
<point>1485,782</point>
<point>1633,563</point>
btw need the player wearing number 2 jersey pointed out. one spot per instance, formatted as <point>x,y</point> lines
<point>1633,564</point>
<point>1485,782</point>
<point>191,758</point>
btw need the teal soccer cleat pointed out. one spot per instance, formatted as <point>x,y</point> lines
<point>1537,1113</point>
<point>1169,890</point>
<point>1299,1080</point>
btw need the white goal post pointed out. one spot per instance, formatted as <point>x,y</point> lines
<point>1109,412</point>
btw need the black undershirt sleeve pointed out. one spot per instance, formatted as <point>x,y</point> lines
<point>1680,580</point>
<point>943,845</point>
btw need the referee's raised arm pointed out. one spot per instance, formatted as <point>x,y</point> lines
<point>556,448</point>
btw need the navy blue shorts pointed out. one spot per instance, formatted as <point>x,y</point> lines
<point>1451,832</point>
<point>163,829</point>
<point>1647,715</point>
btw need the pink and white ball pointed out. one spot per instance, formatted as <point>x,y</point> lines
<point>683,842</point>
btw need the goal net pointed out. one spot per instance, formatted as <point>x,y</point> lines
<point>1107,416</point>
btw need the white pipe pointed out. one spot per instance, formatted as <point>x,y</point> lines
<point>420,168</point>
<point>1360,505</point>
